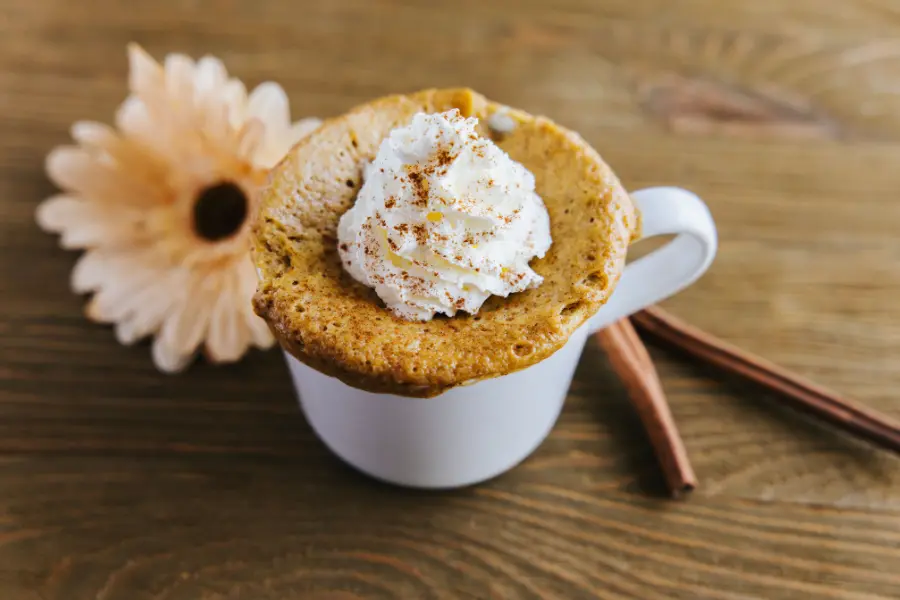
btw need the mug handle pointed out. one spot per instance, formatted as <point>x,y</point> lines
<point>670,269</point>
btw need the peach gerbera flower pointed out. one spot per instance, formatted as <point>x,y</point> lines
<point>161,205</point>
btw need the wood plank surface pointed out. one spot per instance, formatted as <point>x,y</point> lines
<point>120,483</point>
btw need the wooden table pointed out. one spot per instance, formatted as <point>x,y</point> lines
<point>117,482</point>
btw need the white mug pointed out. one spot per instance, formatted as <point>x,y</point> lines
<point>472,433</point>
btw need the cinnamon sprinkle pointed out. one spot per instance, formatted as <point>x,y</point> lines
<point>444,157</point>
<point>420,186</point>
<point>421,233</point>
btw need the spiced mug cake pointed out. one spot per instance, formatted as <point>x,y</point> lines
<point>421,242</point>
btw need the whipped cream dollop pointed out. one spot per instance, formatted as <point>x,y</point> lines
<point>444,220</point>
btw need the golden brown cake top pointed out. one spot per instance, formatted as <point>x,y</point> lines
<point>334,324</point>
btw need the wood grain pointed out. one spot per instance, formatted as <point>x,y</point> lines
<point>117,482</point>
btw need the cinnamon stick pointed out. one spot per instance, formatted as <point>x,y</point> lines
<point>843,413</point>
<point>632,363</point>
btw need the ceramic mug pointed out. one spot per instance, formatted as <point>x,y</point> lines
<point>472,433</point>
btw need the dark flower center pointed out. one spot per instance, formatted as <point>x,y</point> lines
<point>219,211</point>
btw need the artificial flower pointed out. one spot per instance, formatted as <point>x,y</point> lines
<point>161,204</point>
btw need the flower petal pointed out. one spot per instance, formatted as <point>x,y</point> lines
<point>180,81</point>
<point>216,128</point>
<point>135,287</point>
<point>279,142</point>
<point>259,330</point>
<point>234,95</point>
<point>209,80</point>
<point>74,169</point>
<point>302,128</point>
<point>210,76</point>
<point>93,135</point>
<point>161,141</point>
<point>151,306</point>
<point>124,280</point>
<point>168,359</point>
<point>133,119</point>
<point>228,338</point>
<point>85,224</point>
<point>91,270</point>
<point>166,96</point>
<point>250,138</point>
<point>144,73</point>
<point>51,214</point>
<point>269,104</point>
<point>187,324</point>
<point>129,159</point>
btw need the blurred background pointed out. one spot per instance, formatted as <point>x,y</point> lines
<point>119,482</point>
<point>782,117</point>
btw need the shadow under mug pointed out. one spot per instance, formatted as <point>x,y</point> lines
<point>472,433</point>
